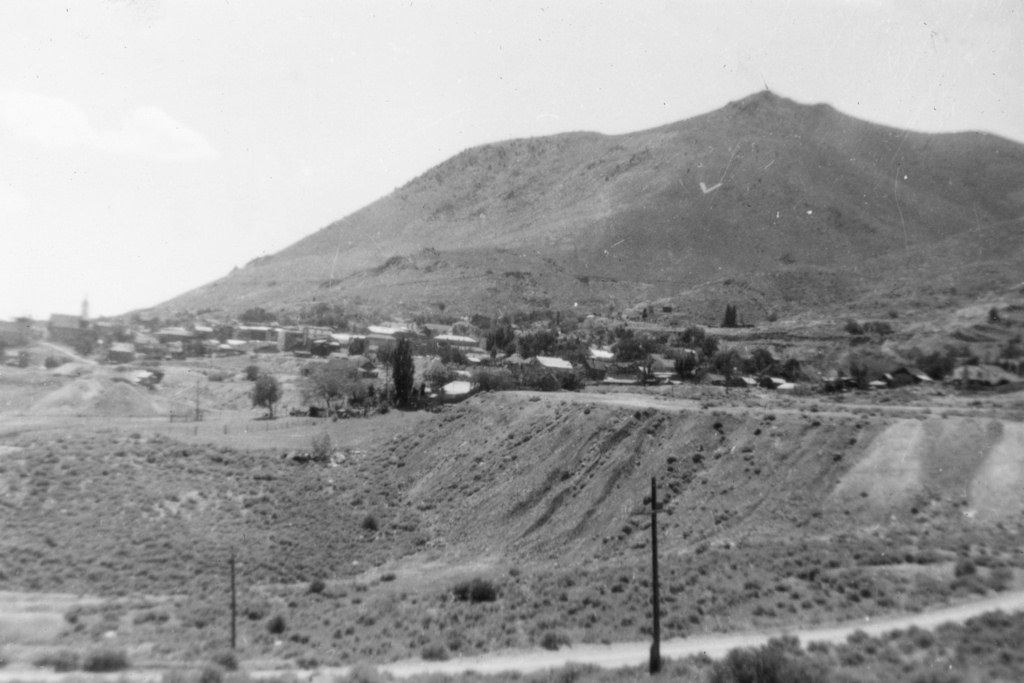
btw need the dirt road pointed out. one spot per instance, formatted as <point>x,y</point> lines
<point>612,656</point>
<point>620,655</point>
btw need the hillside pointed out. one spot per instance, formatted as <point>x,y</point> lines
<point>800,511</point>
<point>779,204</point>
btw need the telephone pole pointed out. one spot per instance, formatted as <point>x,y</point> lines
<point>234,610</point>
<point>655,662</point>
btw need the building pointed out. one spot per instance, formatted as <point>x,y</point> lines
<point>72,330</point>
<point>121,352</point>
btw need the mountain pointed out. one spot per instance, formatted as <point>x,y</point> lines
<point>781,206</point>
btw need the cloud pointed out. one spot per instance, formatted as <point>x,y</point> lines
<point>146,132</point>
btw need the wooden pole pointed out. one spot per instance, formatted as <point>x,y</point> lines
<point>655,662</point>
<point>234,603</point>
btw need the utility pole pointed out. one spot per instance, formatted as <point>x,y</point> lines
<point>655,662</point>
<point>234,610</point>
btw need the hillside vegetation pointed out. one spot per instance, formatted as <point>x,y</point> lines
<point>797,512</point>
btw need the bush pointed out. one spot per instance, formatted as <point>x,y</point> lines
<point>104,660</point>
<point>216,376</point>
<point>853,327</point>
<point>1000,578</point>
<point>476,590</point>
<point>965,567</point>
<point>252,372</point>
<point>210,673</point>
<point>226,659</point>
<point>321,447</point>
<point>317,586</point>
<point>370,523</point>
<point>552,640</point>
<point>435,652</point>
<point>493,379</point>
<point>362,673</point>
<point>276,625</point>
<point>768,664</point>
<point>60,661</point>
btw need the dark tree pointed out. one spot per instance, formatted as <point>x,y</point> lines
<point>536,343</point>
<point>686,365</point>
<point>760,362</point>
<point>403,372</point>
<point>730,316</point>
<point>501,338</point>
<point>357,346</point>
<point>266,392</point>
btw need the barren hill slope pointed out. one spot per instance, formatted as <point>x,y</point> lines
<point>770,517</point>
<point>798,202</point>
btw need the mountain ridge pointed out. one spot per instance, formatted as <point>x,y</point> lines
<point>763,189</point>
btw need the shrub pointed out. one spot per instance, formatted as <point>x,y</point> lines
<point>476,590</point>
<point>104,660</point>
<point>768,664</point>
<point>226,659</point>
<point>493,379</point>
<point>853,327</point>
<point>435,652</point>
<point>362,673</point>
<point>370,523</point>
<point>61,660</point>
<point>321,447</point>
<point>216,376</point>
<point>210,673</point>
<point>964,567</point>
<point>552,640</point>
<point>317,586</point>
<point>1000,578</point>
<point>252,372</point>
<point>276,625</point>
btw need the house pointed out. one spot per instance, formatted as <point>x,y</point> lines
<point>121,352</point>
<point>906,375</point>
<point>457,341</point>
<point>982,376</point>
<point>552,363</point>
<point>259,333</point>
<point>290,339</point>
<point>68,329</point>
<point>166,335</point>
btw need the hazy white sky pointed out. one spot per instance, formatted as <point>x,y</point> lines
<point>147,147</point>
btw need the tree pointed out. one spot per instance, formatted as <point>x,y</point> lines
<point>357,346</point>
<point>536,343</point>
<point>331,381</point>
<point>501,337</point>
<point>760,362</point>
<point>437,375</point>
<point>730,316</point>
<point>266,392</point>
<point>403,372</point>
<point>686,365</point>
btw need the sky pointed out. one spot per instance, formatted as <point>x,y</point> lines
<point>148,147</point>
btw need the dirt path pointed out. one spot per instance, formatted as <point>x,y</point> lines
<point>714,645</point>
<point>68,352</point>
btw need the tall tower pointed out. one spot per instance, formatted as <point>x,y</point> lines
<point>85,309</point>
